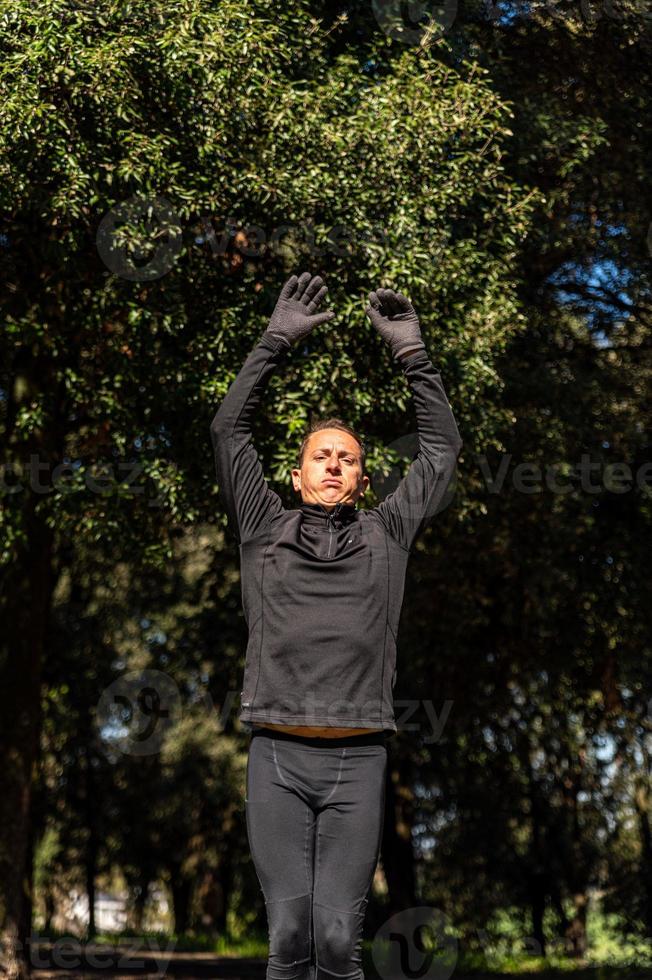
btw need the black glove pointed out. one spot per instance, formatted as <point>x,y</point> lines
<point>294,314</point>
<point>394,318</point>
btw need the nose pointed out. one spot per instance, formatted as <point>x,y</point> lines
<point>333,463</point>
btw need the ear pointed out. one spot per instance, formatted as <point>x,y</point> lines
<point>296,480</point>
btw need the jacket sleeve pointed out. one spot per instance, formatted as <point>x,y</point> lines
<point>418,497</point>
<point>249,502</point>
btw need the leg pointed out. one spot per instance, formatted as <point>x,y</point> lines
<point>280,828</point>
<point>348,837</point>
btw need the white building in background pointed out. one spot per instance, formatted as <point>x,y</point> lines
<point>110,912</point>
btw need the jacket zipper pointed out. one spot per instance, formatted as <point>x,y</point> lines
<point>329,517</point>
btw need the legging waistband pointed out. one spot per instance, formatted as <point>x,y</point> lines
<point>364,738</point>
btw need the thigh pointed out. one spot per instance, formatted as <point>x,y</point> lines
<point>349,831</point>
<point>280,826</point>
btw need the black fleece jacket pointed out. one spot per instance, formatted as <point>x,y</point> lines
<point>322,590</point>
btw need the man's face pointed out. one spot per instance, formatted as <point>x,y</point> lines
<point>331,471</point>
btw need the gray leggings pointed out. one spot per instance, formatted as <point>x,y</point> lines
<point>314,820</point>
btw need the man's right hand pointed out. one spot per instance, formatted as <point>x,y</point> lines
<point>294,315</point>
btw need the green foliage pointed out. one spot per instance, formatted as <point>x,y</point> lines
<point>230,111</point>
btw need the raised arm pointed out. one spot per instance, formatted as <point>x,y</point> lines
<point>406,511</point>
<point>249,502</point>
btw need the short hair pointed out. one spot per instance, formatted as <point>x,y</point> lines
<point>331,423</point>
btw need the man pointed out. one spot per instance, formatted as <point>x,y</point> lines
<point>322,589</point>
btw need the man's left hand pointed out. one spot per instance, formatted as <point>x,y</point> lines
<point>396,321</point>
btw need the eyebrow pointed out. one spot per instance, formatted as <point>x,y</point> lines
<point>342,452</point>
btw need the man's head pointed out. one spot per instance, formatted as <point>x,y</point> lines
<point>331,465</point>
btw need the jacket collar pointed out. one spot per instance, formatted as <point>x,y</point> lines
<point>339,515</point>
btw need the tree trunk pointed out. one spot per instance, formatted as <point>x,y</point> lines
<point>181,892</point>
<point>90,892</point>
<point>28,903</point>
<point>140,901</point>
<point>92,848</point>
<point>558,905</point>
<point>537,910</point>
<point>224,885</point>
<point>397,849</point>
<point>576,943</point>
<point>210,896</point>
<point>537,877</point>
<point>49,909</point>
<point>25,606</point>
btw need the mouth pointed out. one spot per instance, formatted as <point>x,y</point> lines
<point>331,483</point>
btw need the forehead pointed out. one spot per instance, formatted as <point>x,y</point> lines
<point>326,438</point>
